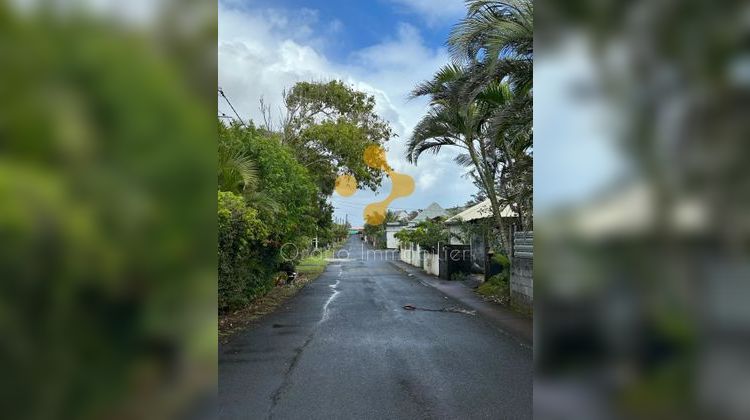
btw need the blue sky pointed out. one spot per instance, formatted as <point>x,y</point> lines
<point>385,47</point>
<point>382,47</point>
<point>360,24</point>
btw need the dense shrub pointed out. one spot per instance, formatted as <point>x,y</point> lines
<point>427,235</point>
<point>499,284</point>
<point>246,264</point>
<point>283,179</point>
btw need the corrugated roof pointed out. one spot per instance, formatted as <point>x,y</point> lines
<point>432,211</point>
<point>402,215</point>
<point>482,210</point>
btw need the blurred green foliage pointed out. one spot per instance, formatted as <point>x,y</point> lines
<point>106,218</point>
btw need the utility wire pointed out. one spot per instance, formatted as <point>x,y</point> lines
<point>221,93</point>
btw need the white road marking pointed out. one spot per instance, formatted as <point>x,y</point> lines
<point>335,293</point>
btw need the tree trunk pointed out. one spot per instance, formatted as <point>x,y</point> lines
<point>489,185</point>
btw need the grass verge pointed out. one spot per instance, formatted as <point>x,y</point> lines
<point>308,270</point>
<point>497,290</point>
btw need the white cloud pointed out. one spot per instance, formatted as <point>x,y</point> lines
<point>262,52</point>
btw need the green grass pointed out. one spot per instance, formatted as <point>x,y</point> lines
<point>496,289</point>
<point>311,266</point>
<point>314,266</point>
<point>493,289</point>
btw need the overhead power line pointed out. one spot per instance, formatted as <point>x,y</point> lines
<point>221,93</point>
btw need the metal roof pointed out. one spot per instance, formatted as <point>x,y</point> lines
<point>482,210</point>
<point>432,211</point>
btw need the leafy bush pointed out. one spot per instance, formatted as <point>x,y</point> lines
<point>427,235</point>
<point>497,285</point>
<point>245,269</point>
<point>502,260</point>
<point>283,180</point>
<point>459,276</point>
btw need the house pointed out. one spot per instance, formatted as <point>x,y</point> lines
<point>391,228</point>
<point>402,215</point>
<point>432,211</point>
<point>475,214</point>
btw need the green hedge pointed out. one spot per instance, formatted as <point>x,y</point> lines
<point>246,264</point>
<point>427,235</point>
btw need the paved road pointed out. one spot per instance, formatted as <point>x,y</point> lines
<point>344,348</point>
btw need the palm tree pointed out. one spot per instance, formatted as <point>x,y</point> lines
<point>238,173</point>
<point>482,103</point>
<point>496,42</point>
<point>497,39</point>
<point>452,122</point>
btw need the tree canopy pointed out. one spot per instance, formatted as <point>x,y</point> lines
<point>329,126</point>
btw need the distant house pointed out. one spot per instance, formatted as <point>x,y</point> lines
<point>475,214</point>
<point>432,211</point>
<point>402,215</point>
<point>391,228</point>
<point>629,210</point>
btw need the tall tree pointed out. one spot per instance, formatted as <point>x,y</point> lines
<point>496,43</point>
<point>482,104</point>
<point>281,178</point>
<point>455,123</point>
<point>329,126</point>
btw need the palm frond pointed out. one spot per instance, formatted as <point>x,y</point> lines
<point>237,172</point>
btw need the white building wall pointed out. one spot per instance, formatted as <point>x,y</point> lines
<point>431,264</point>
<point>416,256</point>
<point>390,239</point>
<point>410,254</point>
<point>391,242</point>
<point>405,254</point>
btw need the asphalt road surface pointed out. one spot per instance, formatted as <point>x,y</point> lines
<point>345,348</point>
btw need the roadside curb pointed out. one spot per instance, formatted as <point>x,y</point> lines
<point>507,321</point>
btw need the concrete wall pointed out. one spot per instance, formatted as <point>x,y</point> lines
<point>522,270</point>
<point>431,264</point>
<point>411,255</point>
<point>405,254</point>
<point>416,256</point>
<point>478,254</point>
<point>522,281</point>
